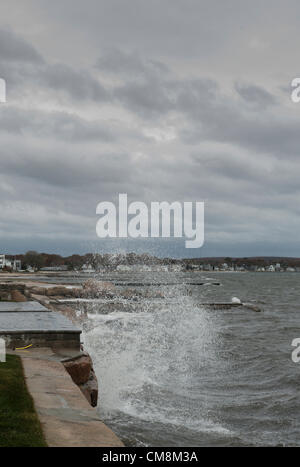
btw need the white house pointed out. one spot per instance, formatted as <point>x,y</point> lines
<point>17,265</point>
<point>2,261</point>
<point>123,268</point>
<point>14,264</point>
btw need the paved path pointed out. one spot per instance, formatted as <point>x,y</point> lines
<point>67,418</point>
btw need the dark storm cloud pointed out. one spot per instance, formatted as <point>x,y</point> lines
<point>147,99</point>
<point>174,100</point>
<point>59,79</point>
<point>79,84</point>
<point>59,125</point>
<point>64,167</point>
<point>20,64</point>
<point>217,117</point>
<point>15,49</point>
<point>255,95</point>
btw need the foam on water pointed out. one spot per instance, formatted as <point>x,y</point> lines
<point>148,362</point>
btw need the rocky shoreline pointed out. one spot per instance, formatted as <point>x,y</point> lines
<point>81,370</point>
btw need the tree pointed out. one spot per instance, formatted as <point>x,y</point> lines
<point>34,259</point>
<point>74,262</point>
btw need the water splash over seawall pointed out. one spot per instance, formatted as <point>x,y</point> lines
<point>150,362</point>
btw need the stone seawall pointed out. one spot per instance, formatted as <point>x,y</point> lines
<point>51,339</point>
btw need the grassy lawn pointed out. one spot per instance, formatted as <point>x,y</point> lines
<point>19,424</point>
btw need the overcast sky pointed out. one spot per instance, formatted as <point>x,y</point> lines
<point>166,100</point>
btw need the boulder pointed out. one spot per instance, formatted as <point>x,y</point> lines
<point>76,292</point>
<point>93,288</point>
<point>5,296</point>
<point>130,294</point>
<point>154,294</point>
<point>79,368</point>
<point>38,290</point>
<point>90,389</point>
<point>6,290</point>
<point>58,291</point>
<point>17,296</point>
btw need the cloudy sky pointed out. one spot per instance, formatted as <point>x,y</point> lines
<point>166,100</point>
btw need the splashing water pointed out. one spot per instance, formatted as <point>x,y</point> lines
<point>151,363</point>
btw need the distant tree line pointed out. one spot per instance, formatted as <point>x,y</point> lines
<point>110,261</point>
<point>38,260</point>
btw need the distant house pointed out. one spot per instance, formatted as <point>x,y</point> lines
<point>123,268</point>
<point>2,261</point>
<point>176,267</point>
<point>193,267</point>
<point>87,268</point>
<point>143,268</point>
<point>54,268</point>
<point>7,263</point>
<point>17,265</point>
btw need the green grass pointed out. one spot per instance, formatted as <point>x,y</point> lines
<point>19,424</point>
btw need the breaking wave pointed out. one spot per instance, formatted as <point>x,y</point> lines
<point>151,361</point>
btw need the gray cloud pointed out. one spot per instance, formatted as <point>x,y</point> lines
<point>130,63</point>
<point>15,49</point>
<point>160,100</point>
<point>255,95</point>
<point>59,125</point>
<point>79,84</point>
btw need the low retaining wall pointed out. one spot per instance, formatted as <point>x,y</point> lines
<point>52,339</point>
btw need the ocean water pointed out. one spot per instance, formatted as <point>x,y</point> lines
<point>174,373</point>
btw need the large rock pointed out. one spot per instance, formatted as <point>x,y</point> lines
<point>154,294</point>
<point>58,291</point>
<point>17,296</point>
<point>90,389</point>
<point>130,294</point>
<point>79,368</point>
<point>76,292</point>
<point>4,295</point>
<point>38,290</point>
<point>93,288</point>
<point>6,290</point>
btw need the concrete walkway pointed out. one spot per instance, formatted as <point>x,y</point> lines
<point>67,418</point>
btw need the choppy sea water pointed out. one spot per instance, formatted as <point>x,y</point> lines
<point>173,373</point>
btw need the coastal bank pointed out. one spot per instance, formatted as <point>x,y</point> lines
<point>59,375</point>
